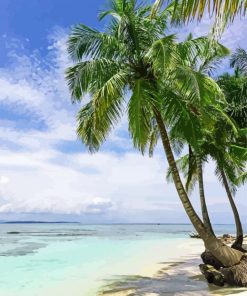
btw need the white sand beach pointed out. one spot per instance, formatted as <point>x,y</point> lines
<point>118,260</point>
<point>177,277</point>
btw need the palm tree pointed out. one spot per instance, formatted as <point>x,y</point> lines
<point>230,159</point>
<point>204,63</point>
<point>205,214</point>
<point>191,165</point>
<point>235,90</point>
<point>239,229</point>
<point>133,55</point>
<point>230,165</point>
<point>239,61</point>
<point>226,171</point>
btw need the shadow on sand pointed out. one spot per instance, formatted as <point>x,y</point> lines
<point>174,278</point>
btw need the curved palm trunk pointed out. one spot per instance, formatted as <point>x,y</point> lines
<point>226,255</point>
<point>239,228</point>
<point>205,215</point>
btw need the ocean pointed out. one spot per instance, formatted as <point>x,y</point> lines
<point>77,260</point>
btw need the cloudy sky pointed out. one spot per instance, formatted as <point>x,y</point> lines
<point>45,172</point>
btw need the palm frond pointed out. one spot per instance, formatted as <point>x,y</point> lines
<point>156,8</point>
<point>239,60</point>
<point>197,8</point>
<point>153,139</point>
<point>242,179</point>
<point>140,125</point>
<point>177,145</point>
<point>89,76</point>
<point>192,49</point>
<point>182,164</point>
<point>235,90</point>
<point>118,8</point>
<point>213,57</point>
<point>183,123</point>
<point>230,177</point>
<point>163,54</point>
<point>187,165</point>
<point>96,119</point>
<point>197,86</point>
<point>239,152</point>
<point>86,42</point>
<point>192,176</point>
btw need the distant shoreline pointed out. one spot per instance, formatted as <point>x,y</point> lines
<point>77,222</point>
<point>37,222</point>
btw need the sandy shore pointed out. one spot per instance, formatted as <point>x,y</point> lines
<point>164,270</point>
<point>177,277</point>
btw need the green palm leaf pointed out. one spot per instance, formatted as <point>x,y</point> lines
<point>89,76</point>
<point>195,9</point>
<point>163,54</point>
<point>239,60</point>
<point>87,42</point>
<point>140,116</point>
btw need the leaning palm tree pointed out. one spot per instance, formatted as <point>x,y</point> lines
<point>199,171</point>
<point>204,63</point>
<point>230,165</point>
<point>134,56</point>
<point>230,159</point>
<point>235,90</point>
<point>191,165</point>
<point>239,228</point>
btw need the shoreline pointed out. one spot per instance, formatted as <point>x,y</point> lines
<point>177,277</point>
<point>136,265</point>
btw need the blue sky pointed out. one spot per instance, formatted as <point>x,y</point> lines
<point>45,172</point>
<point>33,21</point>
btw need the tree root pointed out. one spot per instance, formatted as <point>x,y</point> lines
<point>235,275</point>
<point>212,275</point>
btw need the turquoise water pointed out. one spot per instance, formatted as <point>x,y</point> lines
<point>45,259</point>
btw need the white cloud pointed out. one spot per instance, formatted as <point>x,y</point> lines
<point>38,177</point>
<point>45,179</point>
<point>4,180</point>
<point>87,183</point>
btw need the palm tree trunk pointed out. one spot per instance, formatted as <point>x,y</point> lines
<point>226,255</point>
<point>205,215</point>
<point>239,228</point>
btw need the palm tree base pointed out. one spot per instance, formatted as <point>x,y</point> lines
<point>212,275</point>
<point>209,259</point>
<point>234,275</point>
